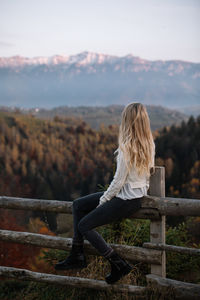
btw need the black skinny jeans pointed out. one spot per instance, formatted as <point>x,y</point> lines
<point>86,217</point>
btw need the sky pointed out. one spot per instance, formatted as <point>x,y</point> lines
<point>150,29</point>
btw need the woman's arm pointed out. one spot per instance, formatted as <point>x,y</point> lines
<point>118,180</point>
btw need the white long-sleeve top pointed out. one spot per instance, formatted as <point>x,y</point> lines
<point>126,185</point>
<point>127,192</point>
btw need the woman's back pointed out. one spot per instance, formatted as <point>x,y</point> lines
<point>135,157</point>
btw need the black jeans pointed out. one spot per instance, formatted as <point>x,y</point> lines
<point>86,217</point>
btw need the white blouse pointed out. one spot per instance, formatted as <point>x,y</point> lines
<point>120,188</point>
<point>128,192</point>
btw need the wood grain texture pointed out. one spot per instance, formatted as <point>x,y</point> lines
<point>128,252</point>
<point>182,290</point>
<point>76,282</point>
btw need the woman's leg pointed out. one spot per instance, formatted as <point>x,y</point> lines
<point>112,210</point>
<point>81,207</point>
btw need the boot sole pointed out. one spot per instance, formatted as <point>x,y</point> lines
<point>125,272</point>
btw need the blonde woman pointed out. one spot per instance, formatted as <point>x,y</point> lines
<point>135,163</point>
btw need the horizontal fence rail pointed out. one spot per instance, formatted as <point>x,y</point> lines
<point>178,249</point>
<point>152,206</point>
<point>129,252</point>
<point>181,290</point>
<point>77,282</point>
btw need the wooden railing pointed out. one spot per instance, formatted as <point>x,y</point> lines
<point>155,207</point>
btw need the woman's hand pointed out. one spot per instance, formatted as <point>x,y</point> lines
<point>102,201</point>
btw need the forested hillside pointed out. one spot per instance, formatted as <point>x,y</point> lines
<point>65,158</point>
<point>53,159</point>
<point>178,149</point>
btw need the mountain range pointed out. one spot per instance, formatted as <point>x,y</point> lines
<point>93,79</point>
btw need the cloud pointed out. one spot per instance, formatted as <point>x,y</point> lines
<point>6,44</point>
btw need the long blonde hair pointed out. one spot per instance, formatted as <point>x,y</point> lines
<point>136,140</point>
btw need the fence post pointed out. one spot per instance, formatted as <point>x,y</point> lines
<point>157,227</point>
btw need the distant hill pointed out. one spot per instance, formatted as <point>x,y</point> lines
<point>108,115</point>
<point>190,110</point>
<point>94,79</point>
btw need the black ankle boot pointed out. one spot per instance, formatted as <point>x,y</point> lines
<point>75,260</point>
<point>119,268</point>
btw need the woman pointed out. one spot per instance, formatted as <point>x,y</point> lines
<point>135,163</point>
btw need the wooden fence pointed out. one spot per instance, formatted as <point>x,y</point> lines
<point>155,207</point>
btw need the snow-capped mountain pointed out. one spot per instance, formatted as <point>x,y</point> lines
<point>84,58</point>
<point>97,79</point>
